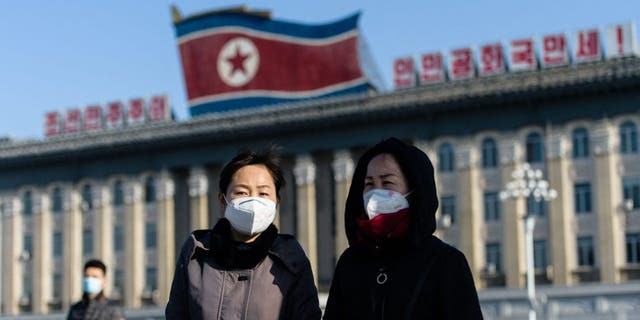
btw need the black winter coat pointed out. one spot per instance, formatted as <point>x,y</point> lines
<point>416,277</point>
<point>99,308</point>
<point>432,283</point>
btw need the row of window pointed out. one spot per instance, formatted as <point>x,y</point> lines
<point>87,250</point>
<point>534,147</point>
<point>87,240</point>
<point>151,281</point>
<point>57,198</point>
<point>583,203</point>
<point>584,249</point>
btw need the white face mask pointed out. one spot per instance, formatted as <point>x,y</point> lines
<point>250,215</point>
<point>382,201</point>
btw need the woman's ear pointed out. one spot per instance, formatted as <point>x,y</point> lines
<point>222,201</point>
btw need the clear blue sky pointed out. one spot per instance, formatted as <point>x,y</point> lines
<point>61,54</point>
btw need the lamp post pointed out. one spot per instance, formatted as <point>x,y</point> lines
<point>528,182</point>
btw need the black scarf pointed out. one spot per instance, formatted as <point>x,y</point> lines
<point>232,254</point>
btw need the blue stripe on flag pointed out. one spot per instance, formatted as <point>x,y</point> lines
<point>231,19</point>
<point>252,102</point>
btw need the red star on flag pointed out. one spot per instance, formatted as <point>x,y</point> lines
<point>237,62</point>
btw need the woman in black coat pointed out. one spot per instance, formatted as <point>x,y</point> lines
<point>395,268</point>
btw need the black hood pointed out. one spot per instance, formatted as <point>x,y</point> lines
<point>423,200</point>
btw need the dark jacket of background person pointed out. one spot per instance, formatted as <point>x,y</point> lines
<point>271,278</point>
<point>426,278</point>
<point>99,308</point>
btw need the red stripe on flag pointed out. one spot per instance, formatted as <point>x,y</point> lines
<point>283,66</point>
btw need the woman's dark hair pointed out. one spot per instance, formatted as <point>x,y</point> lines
<point>95,263</point>
<point>268,157</point>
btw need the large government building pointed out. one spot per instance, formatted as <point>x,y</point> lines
<point>131,196</point>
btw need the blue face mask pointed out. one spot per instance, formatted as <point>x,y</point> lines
<point>91,285</point>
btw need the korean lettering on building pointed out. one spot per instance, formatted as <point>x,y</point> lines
<point>518,55</point>
<point>114,115</point>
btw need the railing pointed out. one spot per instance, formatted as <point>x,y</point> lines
<point>584,302</point>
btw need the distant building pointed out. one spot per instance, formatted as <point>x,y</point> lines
<point>131,196</point>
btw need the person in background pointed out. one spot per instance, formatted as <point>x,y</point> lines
<point>243,268</point>
<point>394,267</point>
<point>94,304</point>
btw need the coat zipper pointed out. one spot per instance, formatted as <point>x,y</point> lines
<point>224,279</point>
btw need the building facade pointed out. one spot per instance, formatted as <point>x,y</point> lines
<point>131,196</point>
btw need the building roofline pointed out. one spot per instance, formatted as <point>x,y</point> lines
<point>543,84</point>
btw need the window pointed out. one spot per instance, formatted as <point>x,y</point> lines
<point>57,244</point>
<point>582,198</point>
<point>118,238</point>
<point>494,257</point>
<point>489,153</point>
<point>87,242</point>
<point>150,235</point>
<point>87,198</point>
<point>118,193</point>
<point>151,278</point>
<point>28,243</point>
<point>445,158</point>
<point>540,258</point>
<point>628,138</point>
<point>534,148</point>
<point>448,205</point>
<point>57,285</point>
<point>631,191</point>
<point>491,206</point>
<point>150,190</point>
<point>118,280</point>
<point>57,201</point>
<point>27,203</point>
<point>538,208</point>
<point>585,252</point>
<point>27,284</point>
<point>580,137</point>
<point>633,247</point>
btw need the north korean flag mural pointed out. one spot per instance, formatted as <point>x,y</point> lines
<point>233,60</point>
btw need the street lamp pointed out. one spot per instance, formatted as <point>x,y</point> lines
<point>528,182</point>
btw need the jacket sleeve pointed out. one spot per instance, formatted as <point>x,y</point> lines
<point>69,317</point>
<point>178,305</point>
<point>302,301</point>
<point>459,291</point>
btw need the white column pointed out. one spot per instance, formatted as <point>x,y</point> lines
<point>199,207</point>
<point>103,228</point>
<point>72,244</point>
<point>11,253</point>
<point>305,175</point>
<point>470,200</point>
<point>343,167</point>
<point>42,248</point>
<point>134,244</point>
<point>562,242</point>
<point>513,243</point>
<point>166,234</point>
<point>608,190</point>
